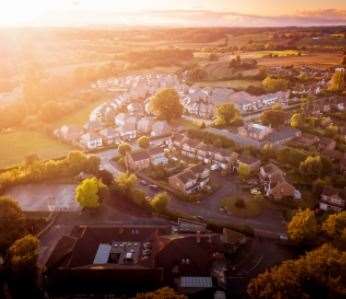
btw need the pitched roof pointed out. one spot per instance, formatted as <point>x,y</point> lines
<point>140,155</point>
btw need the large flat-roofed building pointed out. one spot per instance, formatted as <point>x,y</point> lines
<point>103,258</point>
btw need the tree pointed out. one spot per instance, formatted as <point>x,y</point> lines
<point>105,176</point>
<point>23,255</point>
<point>163,293</point>
<point>12,223</point>
<point>318,274</point>
<point>225,114</point>
<point>335,227</point>
<point>143,142</point>
<point>159,202</point>
<point>343,61</point>
<point>88,193</point>
<point>244,171</point>
<point>274,116</point>
<point>296,120</point>
<point>166,105</point>
<point>124,148</point>
<point>311,166</point>
<point>272,85</point>
<point>337,83</point>
<point>303,226</point>
<point>126,182</point>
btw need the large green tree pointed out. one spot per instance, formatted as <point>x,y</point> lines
<point>272,84</point>
<point>12,223</point>
<point>88,193</point>
<point>143,142</point>
<point>163,293</point>
<point>166,105</point>
<point>318,274</point>
<point>275,116</point>
<point>303,226</point>
<point>23,255</point>
<point>124,148</point>
<point>312,166</point>
<point>126,181</point>
<point>335,227</point>
<point>296,120</point>
<point>337,83</point>
<point>225,114</point>
<point>159,202</point>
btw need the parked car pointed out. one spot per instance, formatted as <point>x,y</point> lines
<point>143,182</point>
<point>154,187</point>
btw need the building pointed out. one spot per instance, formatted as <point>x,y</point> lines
<point>184,182</point>
<point>110,136</point>
<point>106,258</point>
<point>191,180</point>
<point>255,131</point>
<point>70,134</point>
<point>91,141</point>
<point>160,129</point>
<point>157,156</point>
<point>138,160</point>
<point>333,199</point>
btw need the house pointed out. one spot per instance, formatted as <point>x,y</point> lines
<point>160,129</point>
<point>268,171</point>
<point>138,160</point>
<point>223,158</point>
<point>326,143</point>
<point>110,136</point>
<point>135,108</point>
<point>333,199</point>
<point>282,189</point>
<point>255,131</point>
<point>189,147</point>
<point>201,173</point>
<point>306,140</point>
<point>249,162</point>
<point>145,125</point>
<point>157,156</point>
<point>185,182</point>
<point>70,134</point>
<point>91,141</point>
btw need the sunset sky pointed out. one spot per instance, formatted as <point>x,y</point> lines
<point>232,12</point>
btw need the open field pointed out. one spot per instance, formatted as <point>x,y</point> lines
<point>252,206</point>
<point>321,60</point>
<point>80,117</point>
<point>235,84</point>
<point>16,145</point>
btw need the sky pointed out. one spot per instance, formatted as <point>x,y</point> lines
<point>170,12</point>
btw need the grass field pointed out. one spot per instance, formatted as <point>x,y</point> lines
<point>322,60</point>
<point>252,206</point>
<point>80,117</point>
<point>235,84</point>
<point>16,145</point>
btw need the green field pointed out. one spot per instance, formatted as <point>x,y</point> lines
<point>80,117</point>
<point>252,206</point>
<point>234,84</point>
<point>16,145</point>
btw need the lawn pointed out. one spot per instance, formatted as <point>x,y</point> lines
<point>248,207</point>
<point>80,117</point>
<point>16,145</point>
<point>234,84</point>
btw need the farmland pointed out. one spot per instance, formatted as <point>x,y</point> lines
<point>18,144</point>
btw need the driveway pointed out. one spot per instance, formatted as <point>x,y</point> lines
<point>269,222</point>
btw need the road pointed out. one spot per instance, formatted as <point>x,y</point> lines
<point>269,223</point>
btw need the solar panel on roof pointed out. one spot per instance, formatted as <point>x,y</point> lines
<point>196,282</point>
<point>102,254</point>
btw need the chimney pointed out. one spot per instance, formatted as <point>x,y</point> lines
<point>198,236</point>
